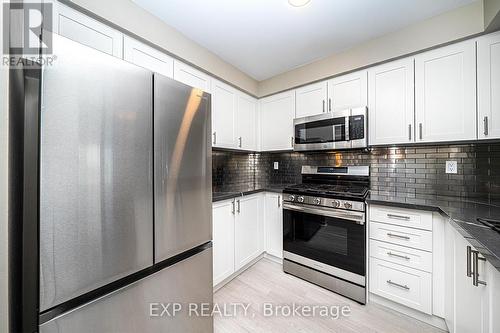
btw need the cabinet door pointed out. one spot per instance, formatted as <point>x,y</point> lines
<point>488,86</point>
<point>246,122</point>
<point>311,99</point>
<point>190,76</point>
<point>223,115</point>
<point>223,240</point>
<point>445,93</point>
<point>391,103</point>
<point>145,56</point>
<point>274,224</point>
<point>80,28</point>
<point>493,280</point>
<point>276,121</point>
<point>449,272</point>
<point>468,298</point>
<point>246,231</point>
<point>348,91</point>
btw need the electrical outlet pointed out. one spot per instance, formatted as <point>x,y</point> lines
<point>451,166</point>
<point>276,166</point>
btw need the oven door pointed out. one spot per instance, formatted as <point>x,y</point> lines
<point>330,240</point>
<point>325,131</point>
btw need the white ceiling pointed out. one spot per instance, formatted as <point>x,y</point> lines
<point>264,38</point>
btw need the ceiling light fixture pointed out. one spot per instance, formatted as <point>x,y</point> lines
<point>298,3</point>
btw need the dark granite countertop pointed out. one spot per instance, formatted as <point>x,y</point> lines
<point>461,212</point>
<point>238,191</point>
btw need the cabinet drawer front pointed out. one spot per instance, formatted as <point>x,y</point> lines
<point>415,238</point>
<point>403,217</point>
<point>401,255</point>
<point>401,284</point>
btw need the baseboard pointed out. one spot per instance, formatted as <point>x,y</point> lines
<point>273,258</point>
<point>238,272</point>
<point>428,319</point>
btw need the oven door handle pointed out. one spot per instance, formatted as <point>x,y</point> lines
<point>356,217</point>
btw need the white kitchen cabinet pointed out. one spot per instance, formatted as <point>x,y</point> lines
<point>80,28</point>
<point>145,56</point>
<point>274,224</point>
<point>488,86</point>
<point>247,230</point>
<point>348,91</point>
<point>391,102</point>
<point>445,93</point>
<point>311,99</point>
<point>191,76</point>
<point>223,115</point>
<point>246,122</point>
<point>276,121</point>
<point>223,240</point>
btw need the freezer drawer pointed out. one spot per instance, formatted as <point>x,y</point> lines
<point>128,309</point>
<point>96,205</point>
<point>183,167</point>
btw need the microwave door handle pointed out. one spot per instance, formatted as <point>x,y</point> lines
<point>347,128</point>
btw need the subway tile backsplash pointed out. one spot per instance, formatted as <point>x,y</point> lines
<point>417,171</point>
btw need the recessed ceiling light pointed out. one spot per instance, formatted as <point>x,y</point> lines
<point>298,3</point>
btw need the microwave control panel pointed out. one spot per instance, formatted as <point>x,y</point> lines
<point>357,127</point>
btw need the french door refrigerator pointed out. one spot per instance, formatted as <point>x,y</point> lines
<point>110,197</point>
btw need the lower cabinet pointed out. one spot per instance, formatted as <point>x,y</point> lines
<point>223,240</point>
<point>274,224</point>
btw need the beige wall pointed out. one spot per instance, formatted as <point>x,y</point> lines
<point>460,23</point>
<point>491,15</point>
<point>133,18</point>
<point>3,192</point>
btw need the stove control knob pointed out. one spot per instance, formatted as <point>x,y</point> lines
<point>300,199</point>
<point>336,203</point>
<point>348,205</point>
<point>317,201</point>
<point>291,197</point>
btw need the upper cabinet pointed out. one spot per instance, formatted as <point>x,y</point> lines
<point>391,103</point>
<point>223,115</point>
<point>488,86</point>
<point>311,99</point>
<point>145,56</point>
<point>445,93</point>
<point>87,31</point>
<point>276,121</point>
<point>190,76</point>
<point>348,91</point>
<point>246,122</point>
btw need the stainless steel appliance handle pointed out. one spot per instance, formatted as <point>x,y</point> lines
<point>356,217</point>
<point>324,106</point>
<point>397,255</point>
<point>469,265</point>
<point>398,236</point>
<point>409,132</point>
<point>401,217</point>
<point>485,121</point>
<point>239,206</point>
<point>398,285</point>
<point>475,271</point>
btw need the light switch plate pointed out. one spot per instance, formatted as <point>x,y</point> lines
<point>276,166</point>
<point>451,166</point>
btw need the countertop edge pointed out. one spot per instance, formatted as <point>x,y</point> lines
<point>233,195</point>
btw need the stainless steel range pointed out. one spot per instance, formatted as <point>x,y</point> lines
<point>324,233</point>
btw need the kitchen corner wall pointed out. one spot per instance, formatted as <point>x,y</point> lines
<point>417,171</point>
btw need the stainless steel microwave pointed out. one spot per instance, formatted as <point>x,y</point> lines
<point>344,129</point>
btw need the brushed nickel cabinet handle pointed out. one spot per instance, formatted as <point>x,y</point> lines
<point>397,255</point>
<point>420,130</point>
<point>485,122</point>
<point>239,141</point>
<point>398,236</point>
<point>239,206</point>
<point>398,285</point>
<point>232,208</point>
<point>475,270</point>
<point>279,200</point>
<point>291,141</point>
<point>330,104</point>
<point>469,262</point>
<point>324,106</point>
<point>409,132</point>
<point>401,217</point>
<point>215,137</point>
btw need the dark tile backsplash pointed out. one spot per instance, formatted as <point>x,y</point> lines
<point>417,171</point>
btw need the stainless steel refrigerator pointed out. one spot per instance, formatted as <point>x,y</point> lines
<point>111,193</point>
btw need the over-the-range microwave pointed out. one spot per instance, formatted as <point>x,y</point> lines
<point>344,129</point>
